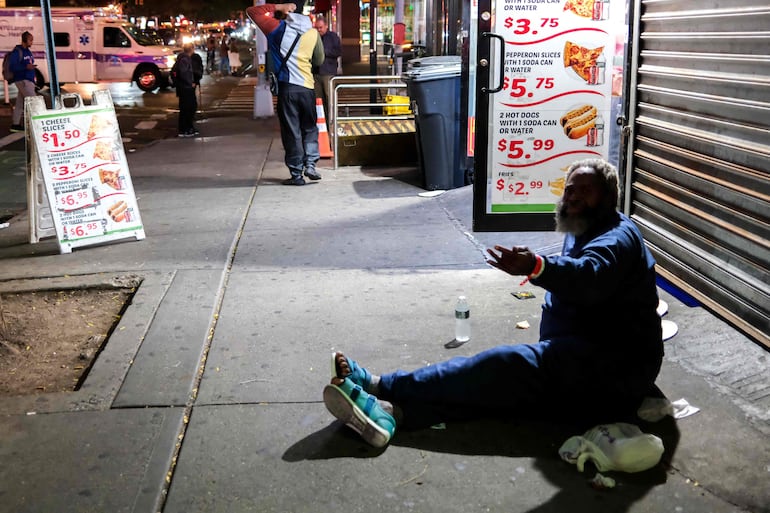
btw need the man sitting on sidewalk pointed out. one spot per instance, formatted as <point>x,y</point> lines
<point>600,346</point>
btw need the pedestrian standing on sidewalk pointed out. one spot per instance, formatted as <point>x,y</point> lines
<point>600,346</point>
<point>327,70</point>
<point>224,57</point>
<point>22,63</point>
<point>183,77</point>
<point>234,56</point>
<point>211,54</point>
<point>295,48</point>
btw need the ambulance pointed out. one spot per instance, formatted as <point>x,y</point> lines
<point>90,47</point>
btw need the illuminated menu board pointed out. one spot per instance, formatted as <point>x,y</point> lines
<point>556,98</point>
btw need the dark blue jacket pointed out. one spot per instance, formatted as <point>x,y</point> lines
<point>602,291</point>
<point>332,50</point>
<point>18,64</point>
<point>182,73</point>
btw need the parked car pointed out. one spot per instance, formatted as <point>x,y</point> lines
<point>168,35</point>
<point>153,34</point>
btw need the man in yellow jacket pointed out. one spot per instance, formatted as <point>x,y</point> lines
<point>295,49</point>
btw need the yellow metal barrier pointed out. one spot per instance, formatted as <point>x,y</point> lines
<point>396,105</point>
<point>395,108</point>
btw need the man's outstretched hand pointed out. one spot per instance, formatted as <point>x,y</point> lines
<point>516,261</point>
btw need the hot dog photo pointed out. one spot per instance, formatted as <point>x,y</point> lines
<point>578,122</point>
<point>118,211</point>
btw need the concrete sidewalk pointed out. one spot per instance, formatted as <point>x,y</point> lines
<point>208,395</point>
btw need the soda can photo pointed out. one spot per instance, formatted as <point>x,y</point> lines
<point>601,10</point>
<point>591,137</point>
<point>593,75</point>
<point>601,68</point>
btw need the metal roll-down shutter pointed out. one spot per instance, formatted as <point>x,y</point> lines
<point>698,172</point>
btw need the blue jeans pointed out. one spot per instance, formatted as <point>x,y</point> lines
<point>299,132</point>
<point>224,65</point>
<point>568,379</point>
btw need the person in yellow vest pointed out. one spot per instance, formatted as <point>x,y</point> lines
<point>295,48</point>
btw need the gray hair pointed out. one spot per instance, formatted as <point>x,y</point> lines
<point>605,172</point>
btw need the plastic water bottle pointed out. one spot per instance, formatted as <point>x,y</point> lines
<point>462,320</point>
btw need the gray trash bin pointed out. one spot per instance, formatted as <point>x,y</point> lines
<point>433,85</point>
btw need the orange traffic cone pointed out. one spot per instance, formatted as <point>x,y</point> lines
<point>324,144</point>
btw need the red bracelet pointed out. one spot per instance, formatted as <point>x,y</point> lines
<point>537,271</point>
<point>539,267</point>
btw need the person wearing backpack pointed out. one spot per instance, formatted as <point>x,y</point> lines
<point>7,72</point>
<point>22,63</point>
<point>295,48</point>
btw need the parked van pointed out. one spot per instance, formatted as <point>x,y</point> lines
<point>89,47</point>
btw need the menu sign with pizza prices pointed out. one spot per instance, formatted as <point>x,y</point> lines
<point>555,102</point>
<point>81,158</point>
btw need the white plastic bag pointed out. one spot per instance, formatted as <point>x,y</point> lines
<point>655,408</point>
<point>620,446</point>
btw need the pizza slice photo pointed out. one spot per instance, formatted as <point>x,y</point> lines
<point>110,178</point>
<point>583,8</point>
<point>99,124</point>
<point>103,151</point>
<point>587,63</point>
<point>592,9</point>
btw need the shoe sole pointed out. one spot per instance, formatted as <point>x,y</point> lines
<point>334,366</point>
<point>313,177</point>
<point>343,408</point>
<point>335,374</point>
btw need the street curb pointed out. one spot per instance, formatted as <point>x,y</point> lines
<point>76,282</point>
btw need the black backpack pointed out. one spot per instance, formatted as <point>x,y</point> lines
<point>7,71</point>
<point>197,68</point>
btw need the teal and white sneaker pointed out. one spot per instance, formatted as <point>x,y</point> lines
<point>349,403</point>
